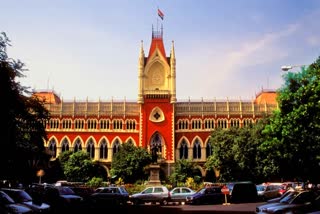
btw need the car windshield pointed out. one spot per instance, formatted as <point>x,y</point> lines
<point>123,190</point>
<point>230,186</point>
<point>201,190</point>
<point>5,199</point>
<point>66,191</point>
<point>261,187</point>
<point>287,199</point>
<point>20,196</point>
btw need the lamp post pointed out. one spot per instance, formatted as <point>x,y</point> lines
<point>289,67</point>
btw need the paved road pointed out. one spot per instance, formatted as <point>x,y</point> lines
<point>248,208</point>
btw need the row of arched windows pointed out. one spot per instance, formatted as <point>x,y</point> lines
<point>92,124</point>
<point>184,124</point>
<point>103,148</point>
<point>196,150</point>
<point>90,148</point>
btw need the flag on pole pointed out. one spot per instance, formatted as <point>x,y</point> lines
<point>160,14</point>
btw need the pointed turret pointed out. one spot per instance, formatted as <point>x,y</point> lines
<point>140,76</point>
<point>173,74</point>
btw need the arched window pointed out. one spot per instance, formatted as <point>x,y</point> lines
<point>197,150</point>
<point>103,149</point>
<point>90,148</point>
<point>65,145</point>
<point>116,147</point>
<point>77,146</point>
<point>208,150</point>
<point>184,150</point>
<point>53,148</point>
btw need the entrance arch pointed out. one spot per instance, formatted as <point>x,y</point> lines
<point>156,146</point>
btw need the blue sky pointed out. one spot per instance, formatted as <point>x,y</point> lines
<point>89,49</point>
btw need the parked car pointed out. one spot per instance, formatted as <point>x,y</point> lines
<point>109,196</point>
<point>285,194</point>
<point>9,206</point>
<point>242,192</point>
<point>22,197</point>
<point>62,198</point>
<point>179,194</point>
<point>206,195</point>
<point>82,191</point>
<point>296,202</point>
<point>151,194</point>
<point>269,191</point>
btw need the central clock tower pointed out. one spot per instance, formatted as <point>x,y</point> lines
<point>157,97</point>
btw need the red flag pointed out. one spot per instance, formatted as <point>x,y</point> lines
<point>161,15</point>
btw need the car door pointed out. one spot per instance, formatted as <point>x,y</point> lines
<point>176,194</point>
<point>208,196</point>
<point>158,194</point>
<point>147,194</point>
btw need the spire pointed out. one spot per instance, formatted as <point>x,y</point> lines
<point>141,50</point>
<point>141,56</point>
<point>172,54</point>
<point>157,43</point>
<point>140,73</point>
<point>173,73</point>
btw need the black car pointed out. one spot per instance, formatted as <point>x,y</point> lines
<point>242,192</point>
<point>207,195</point>
<point>8,205</point>
<point>296,202</point>
<point>62,199</point>
<point>22,197</point>
<point>115,195</point>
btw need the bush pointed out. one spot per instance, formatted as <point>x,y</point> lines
<point>95,182</point>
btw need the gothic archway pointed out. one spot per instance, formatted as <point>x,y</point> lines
<point>156,146</point>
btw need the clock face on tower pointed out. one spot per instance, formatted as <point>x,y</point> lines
<point>157,77</point>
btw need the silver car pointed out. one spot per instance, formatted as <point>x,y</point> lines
<point>152,194</point>
<point>179,194</point>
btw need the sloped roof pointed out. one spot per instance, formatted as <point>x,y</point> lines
<point>48,96</point>
<point>157,43</point>
<point>266,96</point>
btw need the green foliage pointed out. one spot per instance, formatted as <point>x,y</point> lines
<point>23,119</point>
<point>95,182</point>
<point>295,130</point>
<point>190,183</point>
<point>119,182</point>
<point>183,169</point>
<point>129,163</point>
<point>235,152</point>
<point>78,167</point>
<point>135,188</point>
<point>64,157</point>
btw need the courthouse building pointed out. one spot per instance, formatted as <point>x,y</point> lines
<point>157,119</point>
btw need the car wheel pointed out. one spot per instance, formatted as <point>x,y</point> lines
<point>164,202</point>
<point>136,202</point>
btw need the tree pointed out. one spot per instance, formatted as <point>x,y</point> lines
<point>295,130</point>
<point>129,163</point>
<point>183,169</point>
<point>23,118</point>
<point>235,152</point>
<point>78,166</point>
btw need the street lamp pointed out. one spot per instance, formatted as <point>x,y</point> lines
<point>289,67</point>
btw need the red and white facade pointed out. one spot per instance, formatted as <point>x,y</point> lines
<point>179,129</point>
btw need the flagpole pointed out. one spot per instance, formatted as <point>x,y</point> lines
<point>157,20</point>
